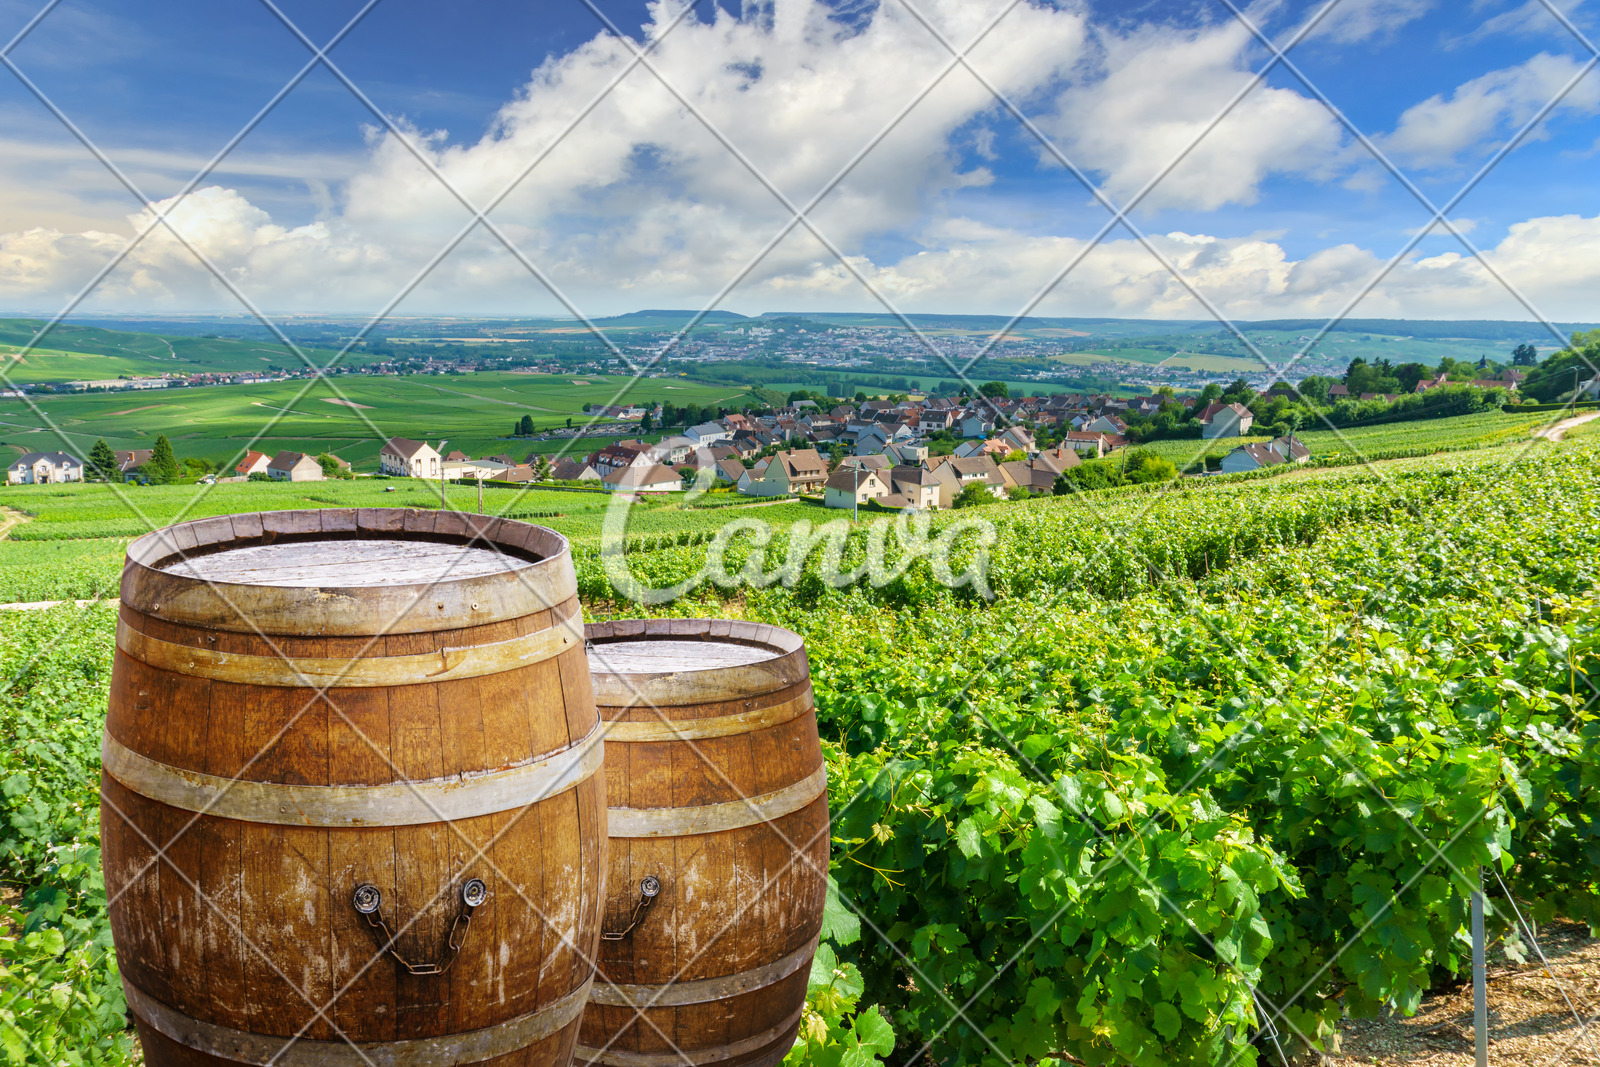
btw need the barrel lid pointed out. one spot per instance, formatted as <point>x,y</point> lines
<point>347,571</point>
<point>667,662</point>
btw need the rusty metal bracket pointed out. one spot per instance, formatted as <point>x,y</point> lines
<point>368,900</point>
<point>649,889</point>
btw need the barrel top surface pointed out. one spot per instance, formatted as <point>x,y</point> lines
<point>664,655</point>
<point>347,571</point>
<point>691,661</point>
<point>346,564</point>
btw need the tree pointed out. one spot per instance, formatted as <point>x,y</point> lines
<point>972,494</point>
<point>162,466</point>
<point>647,423</point>
<point>995,390</point>
<point>1553,379</point>
<point>331,467</point>
<point>103,462</point>
<point>861,396</point>
<point>569,423</point>
<point>1524,355</point>
<point>1315,388</point>
<point>525,427</point>
<point>1408,375</point>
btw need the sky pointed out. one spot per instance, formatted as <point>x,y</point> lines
<point>631,155</point>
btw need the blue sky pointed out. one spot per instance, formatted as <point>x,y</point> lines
<point>1278,211</point>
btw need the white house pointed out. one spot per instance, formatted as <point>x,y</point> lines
<point>409,459</point>
<point>1290,448</point>
<point>254,462</point>
<point>40,468</point>
<point>1251,458</point>
<point>708,432</point>
<point>294,467</point>
<point>1225,420</point>
<point>852,486</point>
<point>1107,424</point>
<point>652,479</point>
<point>976,424</point>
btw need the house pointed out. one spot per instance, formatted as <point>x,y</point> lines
<point>976,424</point>
<point>1036,477</point>
<point>1590,388</point>
<point>621,455</point>
<point>1018,439</point>
<point>992,447</point>
<point>1251,458</point>
<point>1290,448</point>
<point>1225,420</point>
<point>468,469</point>
<point>730,470</point>
<point>573,470</point>
<point>655,478</point>
<point>455,457</point>
<point>132,458</point>
<point>800,470</point>
<point>1432,383</point>
<point>1338,392</point>
<point>253,463</point>
<point>906,453</point>
<point>1494,383</point>
<point>408,459</point>
<point>932,420</point>
<point>914,487</point>
<point>514,473</point>
<point>675,449</point>
<point>1110,424</point>
<point>1057,460</point>
<point>868,463</point>
<point>294,467</point>
<point>1083,441</point>
<point>42,468</point>
<point>956,474</point>
<point>850,487</point>
<point>707,433</point>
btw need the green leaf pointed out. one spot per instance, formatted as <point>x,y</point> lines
<point>1167,1021</point>
<point>839,924</point>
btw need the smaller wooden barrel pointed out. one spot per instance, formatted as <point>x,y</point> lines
<point>718,803</point>
<point>352,811</point>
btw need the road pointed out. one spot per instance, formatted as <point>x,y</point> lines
<point>1556,432</point>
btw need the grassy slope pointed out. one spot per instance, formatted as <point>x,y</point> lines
<point>473,411</point>
<point>74,352</point>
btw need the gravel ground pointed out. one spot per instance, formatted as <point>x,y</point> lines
<point>1530,1024</point>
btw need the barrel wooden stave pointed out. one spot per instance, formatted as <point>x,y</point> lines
<point>747,879</point>
<point>288,888</point>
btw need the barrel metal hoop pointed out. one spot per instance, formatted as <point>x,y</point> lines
<point>390,804</point>
<point>347,672</point>
<point>744,722</point>
<point>713,818</point>
<point>472,1046</point>
<point>618,1058</point>
<point>705,990</point>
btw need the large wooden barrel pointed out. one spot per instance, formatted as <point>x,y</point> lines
<point>329,726</point>
<point>718,802</point>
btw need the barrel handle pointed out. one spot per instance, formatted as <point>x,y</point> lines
<point>649,889</point>
<point>368,900</point>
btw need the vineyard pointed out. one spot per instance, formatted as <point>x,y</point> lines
<point>1193,773</point>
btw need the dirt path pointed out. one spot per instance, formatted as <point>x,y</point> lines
<point>1530,1024</point>
<point>1555,433</point>
<point>10,518</point>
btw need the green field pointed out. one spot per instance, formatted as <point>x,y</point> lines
<point>1385,441</point>
<point>71,353</point>
<point>474,412</point>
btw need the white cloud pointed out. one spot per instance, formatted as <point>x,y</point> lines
<point>1352,21</point>
<point>1440,129</point>
<point>1528,19</point>
<point>1156,91</point>
<point>641,206</point>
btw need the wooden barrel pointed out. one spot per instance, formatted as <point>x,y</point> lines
<point>327,727</point>
<point>718,801</point>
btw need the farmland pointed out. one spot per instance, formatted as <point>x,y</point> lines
<point>474,412</point>
<point>1214,753</point>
